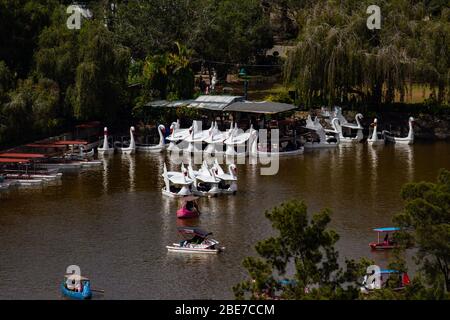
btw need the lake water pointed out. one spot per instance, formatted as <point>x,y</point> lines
<point>114,223</point>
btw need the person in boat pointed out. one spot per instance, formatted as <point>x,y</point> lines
<point>195,240</point>
<point>75,286</point>
<point>190,205</point>
<point>79,287</point>
<point>387,240</point>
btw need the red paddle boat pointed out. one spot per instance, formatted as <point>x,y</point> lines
<point>386,243</point>
<point>189,208</point>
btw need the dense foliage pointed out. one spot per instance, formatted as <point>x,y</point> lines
<point>131,52</point>
<point>337,59</point>
<point>52,76</point>
<point>306,245</point>
<point>301,262</point>
<point>426,226</point>
<point>67,75</point>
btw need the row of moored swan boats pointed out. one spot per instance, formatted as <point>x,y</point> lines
<point>238,143</point>
<point>209,180</point>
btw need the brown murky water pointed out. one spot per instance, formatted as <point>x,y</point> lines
<point>114,223</point>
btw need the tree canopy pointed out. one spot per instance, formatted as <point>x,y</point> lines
<point>158,45</point>
<point>300,261</point>
<point>75,75</point>
<point>425,224</point>
<point>337,59</point>
<point>305,244</point>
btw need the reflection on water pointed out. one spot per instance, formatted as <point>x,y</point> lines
<point>372,185</point>
<point>105,173</point>
<point>114,223</point>
<point>405,154</point>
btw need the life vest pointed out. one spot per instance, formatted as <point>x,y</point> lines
<point>405,279</point>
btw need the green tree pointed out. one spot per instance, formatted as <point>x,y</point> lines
<point>168,75</point>
<point>338,59</point>
<point>88,65</point>
<point>307,245</point>
<point>234,32</point>
<point>425,223</point>
<point>150,27</point>
<point>21,22</point>
<point>230,31</point>
<point>57,57</point>
<point>6,81</point>
<point>32,109</point>
<point>101,76</point>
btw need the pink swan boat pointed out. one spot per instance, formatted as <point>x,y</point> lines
<point>189,208</point>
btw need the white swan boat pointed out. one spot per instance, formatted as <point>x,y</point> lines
<point>376,138</point>
<point>276,149</point>
<point>406,140</point>
<point>176,184</point>
<point>215,141</point>
<point>196,137</point>
<point>339,125</point>
<point>205,182</point>
<point>323,142</point>
<point>177,137</point>
<point>156,147</point>
<point>236,143</point>
<point>86,154</point>
<point>228,184</point>
<point>131,148</point>
<point>196,241</point>
<point>106,149</point>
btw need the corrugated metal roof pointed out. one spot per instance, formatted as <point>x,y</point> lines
<point>267,107</point>
<point>167,103</point>
<point>215,103</point>
<point>225,103</point>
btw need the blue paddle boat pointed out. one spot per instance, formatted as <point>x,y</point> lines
<point>401,279</point>
<point>76,287</point>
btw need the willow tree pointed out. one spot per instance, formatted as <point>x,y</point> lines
<point>337,58</point>
<point>434,55</point>
<point>101,76</point>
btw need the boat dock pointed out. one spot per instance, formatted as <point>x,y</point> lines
<point>42,162</point>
